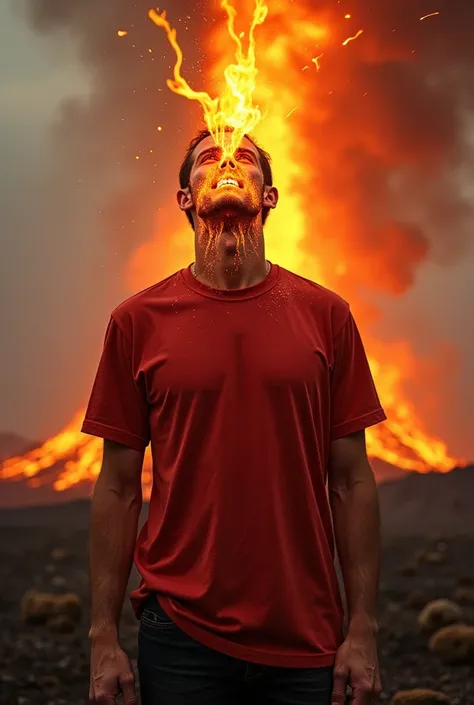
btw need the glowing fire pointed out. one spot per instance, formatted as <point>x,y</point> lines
<point>234,107</point>
<point>293,239</point>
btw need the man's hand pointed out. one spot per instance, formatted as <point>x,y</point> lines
<point>357,665</point>
<point>111,674</point>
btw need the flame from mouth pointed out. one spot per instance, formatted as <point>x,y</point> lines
<point>232,114</point>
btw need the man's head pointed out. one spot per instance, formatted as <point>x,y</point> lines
<point>238,187</point>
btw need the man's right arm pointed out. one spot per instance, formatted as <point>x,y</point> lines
<point>116,505</point>
<point>118,412</point>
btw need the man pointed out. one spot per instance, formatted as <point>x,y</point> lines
<point>253,388</point>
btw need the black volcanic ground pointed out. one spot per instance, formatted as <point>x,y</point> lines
<point>37,666</point>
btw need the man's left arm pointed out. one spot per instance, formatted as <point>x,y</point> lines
<point>355,406</point>
<point>356,519</point>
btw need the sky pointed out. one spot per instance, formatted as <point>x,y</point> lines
<point>61,271</point>
<point>50,280</point>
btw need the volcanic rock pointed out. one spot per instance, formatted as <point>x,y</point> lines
<point>464,595</point>
<point>408,570</point>
<point>439,613</point>
<point>61,624</point>
<point>420,696</point>
<point>59,554</point>
<point>453,644</point>
<point>37,607</point>
<point>417,600</point>
<point>433,557</point>
<point>49,681</point>
<point>40,607</point>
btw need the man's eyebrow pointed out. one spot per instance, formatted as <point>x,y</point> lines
<point>244,150</point>
<point>210,150</point>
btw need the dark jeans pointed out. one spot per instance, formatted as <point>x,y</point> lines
<point>174,669</point>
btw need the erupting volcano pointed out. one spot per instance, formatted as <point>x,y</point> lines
<point>351,164</point>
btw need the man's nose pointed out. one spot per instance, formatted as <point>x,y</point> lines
<point>227,162</point>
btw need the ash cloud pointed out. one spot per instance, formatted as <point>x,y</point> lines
<point>97,141</point>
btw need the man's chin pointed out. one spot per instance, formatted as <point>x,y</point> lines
<point>228,206</point>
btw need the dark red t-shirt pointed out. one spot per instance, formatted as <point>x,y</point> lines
<point>240,394</point>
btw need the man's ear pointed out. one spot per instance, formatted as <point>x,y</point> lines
<point>185,201</point>
<point>270,197</point>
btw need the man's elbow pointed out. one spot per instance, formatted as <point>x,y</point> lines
<point>358,478</point>
<point>121,472</point>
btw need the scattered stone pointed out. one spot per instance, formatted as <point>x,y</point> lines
<point>38,607</point>
<point>49,681</point>
<point>439,613</point>
<point>61,624</point>
<point>453,644</point>
<point>433,557</point>
<point>420,696</point>
<point>59,554</point>
<point>464,595</point>
<point>416,600</point>
<point>70,605</point>
<point>408,571</point>
<point>58,581</point>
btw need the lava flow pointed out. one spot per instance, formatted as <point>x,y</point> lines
<point>298,74</point>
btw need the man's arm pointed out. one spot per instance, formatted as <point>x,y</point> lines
<point>116,506</point>
<point>356,518</point>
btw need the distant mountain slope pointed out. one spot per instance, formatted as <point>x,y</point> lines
<point>20,494</point>
<point>12,444</point>
<point>431,504</point>
<point>435,503</point>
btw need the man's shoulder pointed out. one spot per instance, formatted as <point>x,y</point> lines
<point>315,293</point>
<point>133,306</point>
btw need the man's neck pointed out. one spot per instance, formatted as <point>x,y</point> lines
<point>235,260</point>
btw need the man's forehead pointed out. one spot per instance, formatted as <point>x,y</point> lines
<point>208,143</point>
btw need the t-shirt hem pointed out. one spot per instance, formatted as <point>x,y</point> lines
<point>358,424</point>
<point>245,653</point>
<point>109,433</point>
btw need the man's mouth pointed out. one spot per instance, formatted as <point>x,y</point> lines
<point>227,182</point>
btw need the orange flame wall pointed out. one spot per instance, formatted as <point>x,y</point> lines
<point>321,230</point>
<point>337,149</point>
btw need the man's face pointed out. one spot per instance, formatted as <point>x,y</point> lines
<point>231,188</point>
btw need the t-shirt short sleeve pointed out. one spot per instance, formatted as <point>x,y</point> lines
<point>118,408</point>
<point>355,404</point>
